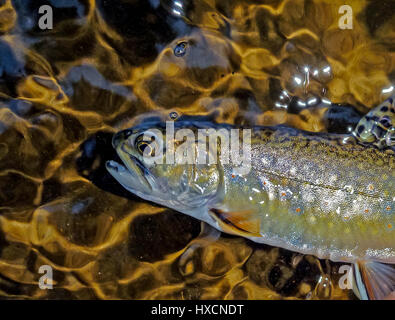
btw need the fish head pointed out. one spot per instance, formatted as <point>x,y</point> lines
<point>147,172</point>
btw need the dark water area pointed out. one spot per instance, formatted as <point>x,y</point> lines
<point>109,64</point>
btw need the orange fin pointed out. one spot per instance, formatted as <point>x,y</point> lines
<point>244,223</point>
<point>375,280</point>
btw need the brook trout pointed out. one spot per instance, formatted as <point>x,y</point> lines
<point>328,195</point>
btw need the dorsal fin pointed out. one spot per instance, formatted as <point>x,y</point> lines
<point>378,126</point>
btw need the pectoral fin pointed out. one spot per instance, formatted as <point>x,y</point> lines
<point>245,223</point>
<point>374,280</point>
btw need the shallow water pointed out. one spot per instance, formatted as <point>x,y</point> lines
<point>109,64</point>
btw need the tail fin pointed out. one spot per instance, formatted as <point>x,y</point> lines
<point>378,126</point>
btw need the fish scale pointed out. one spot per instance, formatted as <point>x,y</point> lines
<point>334,207</point>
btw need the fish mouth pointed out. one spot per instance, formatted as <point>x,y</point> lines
<point>133,175</point>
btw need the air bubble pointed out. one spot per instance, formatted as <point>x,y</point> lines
<point>180,49</point>
<point>173,115</point>
<point>324,288</point>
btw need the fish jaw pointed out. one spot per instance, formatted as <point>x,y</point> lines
<point>136,185</point>
<point>132,173</point>
<point>130,178</point>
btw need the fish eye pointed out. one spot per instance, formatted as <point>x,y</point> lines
<point>142,145</point>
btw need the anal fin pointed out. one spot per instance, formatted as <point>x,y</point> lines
<point>374,280</point>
